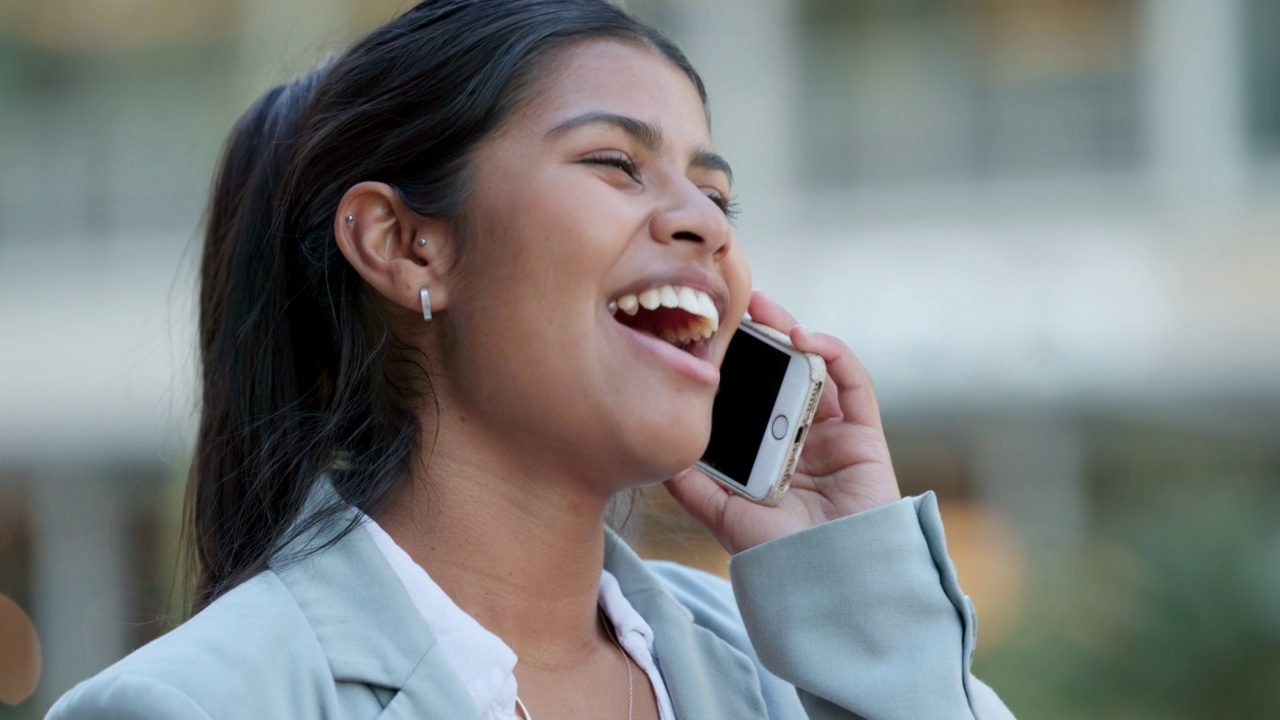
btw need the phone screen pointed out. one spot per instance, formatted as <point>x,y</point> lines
<point>750,379</point>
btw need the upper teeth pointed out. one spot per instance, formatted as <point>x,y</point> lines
<point>695,302</point>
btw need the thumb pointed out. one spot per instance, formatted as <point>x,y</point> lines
<point>702,498</point>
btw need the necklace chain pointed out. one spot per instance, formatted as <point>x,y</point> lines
<point>631,694</point>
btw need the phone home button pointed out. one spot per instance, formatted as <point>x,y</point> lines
<point>779,427</point>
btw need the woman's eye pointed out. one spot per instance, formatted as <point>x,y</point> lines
<point>727,205</point>
<point>617,161</point>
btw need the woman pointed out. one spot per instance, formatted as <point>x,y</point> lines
<point>418,405</point>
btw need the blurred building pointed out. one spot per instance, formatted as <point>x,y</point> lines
<point>1050,228</point>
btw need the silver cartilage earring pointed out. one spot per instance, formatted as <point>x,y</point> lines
<point>422,242</point>
<point>426,304</point>
<point>351,219</point>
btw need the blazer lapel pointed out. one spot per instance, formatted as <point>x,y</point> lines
<point>424,696</point>
<point>365,622</point>
<point>371,633</point>
<point>705,676</point>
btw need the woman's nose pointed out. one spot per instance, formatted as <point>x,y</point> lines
<point>694,218</point>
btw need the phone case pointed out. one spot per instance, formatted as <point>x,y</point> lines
<point>817,380</point>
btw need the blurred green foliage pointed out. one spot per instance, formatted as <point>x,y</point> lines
<point>1170,608</point>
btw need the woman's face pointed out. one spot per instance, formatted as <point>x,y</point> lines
<point>602,192</point>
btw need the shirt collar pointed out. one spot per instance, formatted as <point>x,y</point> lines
<point>481,660</point>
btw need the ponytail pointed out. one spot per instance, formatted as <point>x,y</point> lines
<point>292,360</point>
<point>257,394</point>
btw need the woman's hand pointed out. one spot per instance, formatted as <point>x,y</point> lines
<point>843,469</point>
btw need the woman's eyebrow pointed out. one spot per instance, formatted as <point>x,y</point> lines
<point>709,160</point>
<point>646,134</point>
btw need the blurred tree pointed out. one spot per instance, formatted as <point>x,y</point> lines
<point>1171,611</point>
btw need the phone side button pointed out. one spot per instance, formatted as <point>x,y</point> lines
<point>779,427</point>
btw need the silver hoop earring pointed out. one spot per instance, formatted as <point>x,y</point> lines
<point>426,304</point>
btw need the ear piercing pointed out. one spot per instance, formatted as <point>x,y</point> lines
<point>351,219</point>
<point>425,292</point>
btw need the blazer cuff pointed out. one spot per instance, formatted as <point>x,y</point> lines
<point>863,611</point>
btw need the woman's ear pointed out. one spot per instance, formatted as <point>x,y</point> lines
<point>395,250</point>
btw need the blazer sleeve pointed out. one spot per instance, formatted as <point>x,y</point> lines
<point>864,616</point>
<point>123,696</point>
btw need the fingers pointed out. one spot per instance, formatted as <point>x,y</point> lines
<point>700,496</point>
<point>852,398</point>
<point>853,390</point>
<point>764,310</point>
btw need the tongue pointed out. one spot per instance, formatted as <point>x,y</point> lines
<point>656,321</point>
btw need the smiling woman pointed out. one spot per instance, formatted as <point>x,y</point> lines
<point>460,287</point>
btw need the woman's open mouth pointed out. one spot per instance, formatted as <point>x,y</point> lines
<point>682,316</point>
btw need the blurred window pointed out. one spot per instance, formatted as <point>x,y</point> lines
<point>928,90</point>
<point>109,26</point>
<point>111,110</point>
<point>15,545</point>
<point>1262,28</point>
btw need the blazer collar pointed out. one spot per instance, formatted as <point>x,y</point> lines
<point>371,632</point>
<point>362,616</point>
<point>705,676</point>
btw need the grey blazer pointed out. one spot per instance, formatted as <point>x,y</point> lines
<point>857,618</point>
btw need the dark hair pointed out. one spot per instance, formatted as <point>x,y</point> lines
<point>294,354</point>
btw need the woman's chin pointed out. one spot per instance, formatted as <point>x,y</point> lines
<point>675,453</point>
<point>651,447</point>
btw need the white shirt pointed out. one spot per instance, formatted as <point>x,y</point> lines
<point>482,660</point>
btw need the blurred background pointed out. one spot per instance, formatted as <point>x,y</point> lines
<point>1051,229</point>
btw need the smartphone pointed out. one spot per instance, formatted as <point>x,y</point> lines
<point>762,412</point>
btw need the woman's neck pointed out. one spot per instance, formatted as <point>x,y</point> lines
<point>515,541</point>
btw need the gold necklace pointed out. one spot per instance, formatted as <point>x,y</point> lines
<point>631,695</point>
